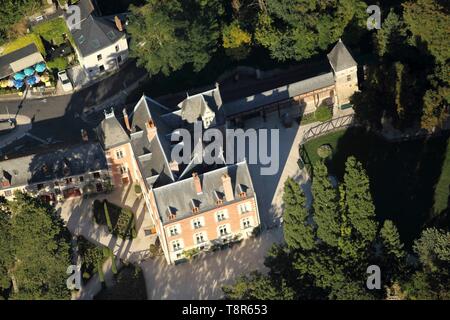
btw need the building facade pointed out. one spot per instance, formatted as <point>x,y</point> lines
<point>58,175</point>
<point>101,43</point>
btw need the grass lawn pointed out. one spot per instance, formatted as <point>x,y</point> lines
<point>52,30</point>
<point>24,41</point>
<point>130,285</point>
<point>121,220</point>
<point>403,175</point>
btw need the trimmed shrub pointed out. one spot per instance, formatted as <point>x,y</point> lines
<point>324,151</point>
<point>59,64</point>
<point>107,217</point>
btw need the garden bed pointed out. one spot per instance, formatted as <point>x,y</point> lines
<point>120,221</point>
<point>92,259</point>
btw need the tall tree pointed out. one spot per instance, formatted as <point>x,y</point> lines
<point>393,253</point>
<point>358,225</point>
<point>41,250</point>
<point>298,233</point>
<point>166,35</point>
<point>326,206</point>
<point>429,21</point>
<point>301,28</point>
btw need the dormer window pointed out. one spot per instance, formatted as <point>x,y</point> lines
<point>170,213</point>
<point>194,206</point>
<point>241,191</point>
<point>218,196</point>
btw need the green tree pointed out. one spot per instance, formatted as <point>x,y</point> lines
<point>432,281</point>
<point>393,253</point>
<point>187,32</point>
<point>301,28</point>
<point>326,206</point>
<point>428,21</point>
<point>297,232</point>
<point>6,248</point>
<point>41,250</point>
<point>257,287</point>
<point>391,36</point>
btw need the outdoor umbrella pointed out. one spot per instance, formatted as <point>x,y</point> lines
<point>45,78</point>
<point>28,71</point>
<point>31,80</point>
<point>40,67</point>
<point>18,84</point>
<point>4,83</point>
<point>19,76</point>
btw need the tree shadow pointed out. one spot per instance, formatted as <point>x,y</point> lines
<point>403,175</point>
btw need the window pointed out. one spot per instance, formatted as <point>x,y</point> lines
<point>245,207</point>
<point>199,238</point>
<point>123,169</point>
<point>173,231</point>
<point>221,215</point>
<point>8,193</point>
<point>81,178</point>
<point>117,48</point>
<point>119,59</point>
<point>97,175</point>
<point>349,77</point>
<point>223,230</point>
<point>176,245</point>
<point>119,154</point>
<point>246,223</point>
<point>197,223</point>
<point>99,57</point>
<point>40,186</point>
<point>102,68</point>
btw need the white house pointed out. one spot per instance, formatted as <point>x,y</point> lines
<point>101,43</point>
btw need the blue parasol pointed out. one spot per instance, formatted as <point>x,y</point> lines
<point>40,67</point>
<point>29,71</point>
<point>19,76</point>
<point>18,84</point>
<point>30,81</point>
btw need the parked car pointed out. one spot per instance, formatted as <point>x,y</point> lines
<point>66,84</point>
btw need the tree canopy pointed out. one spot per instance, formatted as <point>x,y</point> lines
<point>37,247</point>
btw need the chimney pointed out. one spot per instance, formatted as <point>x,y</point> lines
<point>173,165</point>
<point>227,188</point>
<point>151,129</point>
<point>197,183</point>
<point>126,120</point>
<point>119,24</point>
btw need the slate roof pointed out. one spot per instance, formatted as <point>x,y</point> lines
<point>94,33</point>
<point>111,133</point>
<point>38,168</point>
<point>278,94</point>
<point>152,156</point>
<point>179,195</point>
<point>340,58</point>
<point>20,59</point>
<point>194,106</point>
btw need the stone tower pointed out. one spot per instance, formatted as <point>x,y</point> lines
<point>345,73</point>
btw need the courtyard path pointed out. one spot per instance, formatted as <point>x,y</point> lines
<point>78,217</point>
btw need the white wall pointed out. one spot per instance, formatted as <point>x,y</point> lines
<point>109,61</point>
